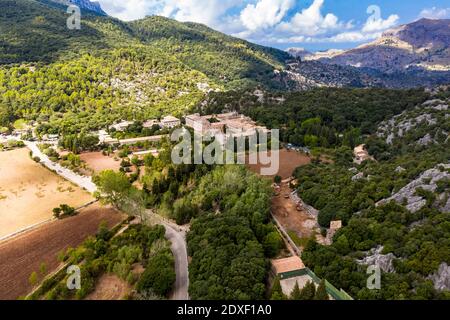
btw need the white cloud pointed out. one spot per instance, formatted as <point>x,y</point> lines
<point>354,36</point>
<point>435,13</point>
<point>208,12</point>
<point>264,21</point>
<point>377,23</point>
<point>311,22</point>
<point>265,13</point>
<point>128,10</point>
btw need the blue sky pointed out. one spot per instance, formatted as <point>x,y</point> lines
<point>311,24</point>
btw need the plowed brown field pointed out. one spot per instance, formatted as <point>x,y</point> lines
<point>22,255</point>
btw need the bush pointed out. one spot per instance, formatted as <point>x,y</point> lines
<point>64,211</point>
<point>159,275</point>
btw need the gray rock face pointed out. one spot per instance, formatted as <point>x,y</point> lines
<point>446,200</point>
<point>359,176</point>
<point>353,170</point>
<point>426,140</point>
<point>432,102</point>
<point>441,279</point>
<point>375,258</point>
<point>423,43</point>
<point>398,126</point>
<point>441,107</point>
<point>427,181</point>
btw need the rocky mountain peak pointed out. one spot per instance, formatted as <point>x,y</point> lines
<point>93,6</point>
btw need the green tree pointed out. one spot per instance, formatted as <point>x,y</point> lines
<point>321,293</point>
<point>272,244</point>
<point>296,293</point>
<point>277,292</point>
<point>308,292</point>
<point>159,275</point>
<point>33,279</point>
<point>43,268</point>
<point>113,187</point>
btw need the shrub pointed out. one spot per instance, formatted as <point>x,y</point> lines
<point>159,275</point>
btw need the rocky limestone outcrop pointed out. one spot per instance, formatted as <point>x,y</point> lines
<point>358,176</point>
<point>426,140</point>
<point>441,279</point>
<point>375,258</point>
<point>423,44</point>
<point>427,181</point>
<point>429,114</point>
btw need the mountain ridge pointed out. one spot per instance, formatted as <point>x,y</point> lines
<point>91,6</point>
<point>423,44</point>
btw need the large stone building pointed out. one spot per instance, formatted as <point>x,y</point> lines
<point>232,123</point>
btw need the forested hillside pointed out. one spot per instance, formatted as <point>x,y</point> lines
<point>324,117</point>
<point>108,70</point>
<point>395,209</point>
<point>231,61</point>
<point>73,80</point>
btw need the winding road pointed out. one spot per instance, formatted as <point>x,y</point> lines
<point>174,233</point>
<point>177,236</point>
<point>179,250</point>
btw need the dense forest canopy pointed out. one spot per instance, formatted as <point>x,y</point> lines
<point>324,117</point>
<point>109,69</point>
<point>231,235</point>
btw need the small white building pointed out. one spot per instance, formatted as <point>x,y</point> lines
<point>103,136</point>
<point>150,123</point>
<point>170,122</point>
<point>121,126</point>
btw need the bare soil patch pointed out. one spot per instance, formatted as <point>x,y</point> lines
<point>29,192</point>
<point>99,162</point>
<point>22,255</point>
<point>295,221</point>
<point>109,287</point>
<point>289,161</point>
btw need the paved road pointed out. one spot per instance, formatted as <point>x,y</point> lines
<point>83,182</point>
<point>179,250</point>
<point>177,236</point>
<point>174,233</point>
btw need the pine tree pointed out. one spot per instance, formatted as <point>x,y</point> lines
<point>296,293</point>
<point>277,291</point>
<point>308,292</point>
<point>321,293</point>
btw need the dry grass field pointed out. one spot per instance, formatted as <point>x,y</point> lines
<point>289,161</point>
<point>109,287</point>
<point>29,192</point>
<point>98,162</point>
